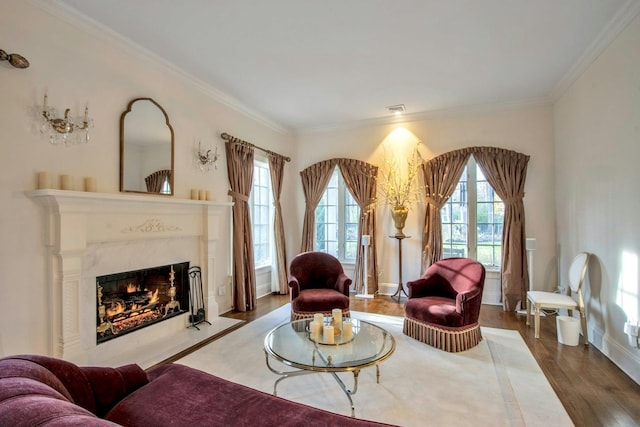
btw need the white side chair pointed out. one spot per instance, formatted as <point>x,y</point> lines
<point>552,300</point>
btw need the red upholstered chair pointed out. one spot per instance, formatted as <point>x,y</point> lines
<point>444,305</point>
<point>318,285</point>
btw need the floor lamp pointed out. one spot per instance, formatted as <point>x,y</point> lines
<point>366,241</point>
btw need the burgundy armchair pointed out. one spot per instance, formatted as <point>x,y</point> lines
<point>444,305</point>
<point>318,285</point>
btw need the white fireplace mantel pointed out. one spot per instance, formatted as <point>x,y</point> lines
<point>138,231</point>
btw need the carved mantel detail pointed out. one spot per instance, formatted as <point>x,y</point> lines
<point>151,225</point>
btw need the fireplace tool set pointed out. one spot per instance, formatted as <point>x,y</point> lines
<point>196,298</point>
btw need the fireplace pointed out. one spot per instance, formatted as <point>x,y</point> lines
<point>133,300</point>
<point>91,235</point>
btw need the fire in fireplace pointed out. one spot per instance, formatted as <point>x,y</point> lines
<point>132,300</point>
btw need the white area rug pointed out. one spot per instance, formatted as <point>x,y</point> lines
<point>497,383</point>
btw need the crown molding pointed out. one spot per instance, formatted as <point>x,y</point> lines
<point>612,30</point>
<point>102,32</point>
<point>430,114</point>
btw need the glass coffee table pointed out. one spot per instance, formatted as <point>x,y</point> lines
<point>291,344</point>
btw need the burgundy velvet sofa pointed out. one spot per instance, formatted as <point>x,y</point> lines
<point>44,391</point>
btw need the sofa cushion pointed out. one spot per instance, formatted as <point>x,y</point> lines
<point>437,310</point>
<point>317,301</point>
<point>62,376</point>
<point>178,395</point>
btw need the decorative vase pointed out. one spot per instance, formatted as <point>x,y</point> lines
<point>399,215</point>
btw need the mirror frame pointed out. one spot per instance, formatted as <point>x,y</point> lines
<point>122,119</point>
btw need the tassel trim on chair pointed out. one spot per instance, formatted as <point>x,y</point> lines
<point>299,315</point>
<point>451,340</point>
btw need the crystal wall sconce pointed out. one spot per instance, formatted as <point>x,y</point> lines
<point>206,159</point>
<point>66,130</point>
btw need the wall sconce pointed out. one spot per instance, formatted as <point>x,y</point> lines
<point>66,130</point>
<point>206,159</point>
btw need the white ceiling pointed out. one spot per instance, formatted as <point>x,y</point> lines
<point>309,63</point>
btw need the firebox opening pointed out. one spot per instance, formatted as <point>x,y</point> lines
<point>132,300</point>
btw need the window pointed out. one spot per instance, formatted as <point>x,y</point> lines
<point>260,206</point>
<point>337,218</point>
<point>472,219</point>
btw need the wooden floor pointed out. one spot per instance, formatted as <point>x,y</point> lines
<point>593,390</point>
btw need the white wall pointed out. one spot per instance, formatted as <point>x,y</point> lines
<point>77,66</point>
<point>526,129</point>
<point>597,132</point>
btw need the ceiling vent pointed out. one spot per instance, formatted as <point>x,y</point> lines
<point>396,109</point>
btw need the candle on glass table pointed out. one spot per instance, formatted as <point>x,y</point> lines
<point>347,329</point>
<point>316,330</point>
<point>337,317</point>
<point>328,336</point>
<point>318,317</point>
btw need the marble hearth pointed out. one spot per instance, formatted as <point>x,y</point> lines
<point>94,234</point>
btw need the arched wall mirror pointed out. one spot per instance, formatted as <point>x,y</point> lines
<point>146,148</point>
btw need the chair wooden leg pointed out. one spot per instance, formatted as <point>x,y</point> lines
<point>528,311</point>
<point>585,334</point>
<point>536,321</point>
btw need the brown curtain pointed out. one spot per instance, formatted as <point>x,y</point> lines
<point>506,172</point>
<point>314,181</point>
<point>360,179</point>
<point>240,172</point>
<point>156,180</point>
<point>441,175</point>
<point>276,170</point>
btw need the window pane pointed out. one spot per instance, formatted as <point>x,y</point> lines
<point>490,215</point>
<point>454,221</point>
<point>350,250</point>
<point>260,206</point>
<point>337,218</point>
<point>487,222</point>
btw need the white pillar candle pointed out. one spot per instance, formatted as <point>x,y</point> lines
<point>316,330</point>
<point>347,329</point>
<point>90,184</point>
<point>44,180</point>
<point>318,317</point>
<point>66,182</point>
<point>194,194</point>
<point>337,317</point>
<point>327,336</point>
<point>202,195</point>
<point>209,195</point>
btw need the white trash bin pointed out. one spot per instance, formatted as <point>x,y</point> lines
<point>568,330</point>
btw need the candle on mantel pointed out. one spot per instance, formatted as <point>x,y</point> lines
<point>66,182</point>
<point>90,184</point>
<point>328,336</point>
<point>44,180</point>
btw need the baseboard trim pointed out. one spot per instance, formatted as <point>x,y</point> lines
<point>620,355</point>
